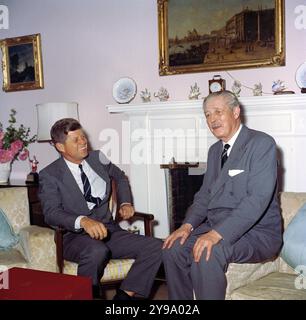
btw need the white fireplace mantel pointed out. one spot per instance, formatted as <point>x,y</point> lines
<point>271,103</point>
<point>281,116</point>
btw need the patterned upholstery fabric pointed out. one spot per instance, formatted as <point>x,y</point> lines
<point>275,286</point>
<point>39,248</point>
<point>36,249</point>
<point>270,280</point>
<point>12,258</point>
<point>14,202</point>
<point>116,269</point>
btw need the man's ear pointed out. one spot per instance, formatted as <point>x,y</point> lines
<point>236,112</point>
<point>60,147</point>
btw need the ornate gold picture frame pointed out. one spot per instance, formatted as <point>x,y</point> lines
<point>204,35</point>
<point>22,63</point>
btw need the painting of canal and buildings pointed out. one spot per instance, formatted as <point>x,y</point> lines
<point>219,35</point>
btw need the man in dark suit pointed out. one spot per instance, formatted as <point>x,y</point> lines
<point>75,192</point>
<point>235,215</point>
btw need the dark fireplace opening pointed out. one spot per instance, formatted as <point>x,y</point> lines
<point>183,180</point>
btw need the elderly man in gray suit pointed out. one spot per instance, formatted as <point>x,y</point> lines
<point>235,215</point>
<point>75,192</point>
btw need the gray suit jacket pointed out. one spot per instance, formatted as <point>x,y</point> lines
<point>244,204</point>
<point>62,200</point>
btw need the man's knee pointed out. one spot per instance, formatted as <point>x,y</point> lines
<point>97,253</point>
<point>174,252</point>
<point>217,258</point>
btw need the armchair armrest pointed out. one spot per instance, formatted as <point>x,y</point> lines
<point>59,233</point>
<point>147,220</point>
<point>39,248</point>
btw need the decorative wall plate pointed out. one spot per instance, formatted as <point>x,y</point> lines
<point>300,76</point>
<point>124,90</point>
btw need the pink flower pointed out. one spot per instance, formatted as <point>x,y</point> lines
<point>24,154</point>
<point>16,146</point>
<point>6,156</point>
<point>1,135</point>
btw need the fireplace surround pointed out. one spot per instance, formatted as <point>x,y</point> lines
<point>281,116</point>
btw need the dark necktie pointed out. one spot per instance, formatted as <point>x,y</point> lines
<point>224,154</point>
<point>87,189</point>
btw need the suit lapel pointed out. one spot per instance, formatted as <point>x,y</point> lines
<point>236,154</point>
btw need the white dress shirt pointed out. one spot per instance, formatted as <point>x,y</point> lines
<point>98,185</point>
<point>232,140</point>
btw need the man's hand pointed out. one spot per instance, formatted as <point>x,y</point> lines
<point>182,232</point>
<point>95,229</point>
<point>207,240</point>
<point>126,211</point>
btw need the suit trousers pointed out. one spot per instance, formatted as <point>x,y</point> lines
<point>93,255</point>
<point>206,279</point>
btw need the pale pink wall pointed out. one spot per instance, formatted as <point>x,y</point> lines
<point>88,45</point>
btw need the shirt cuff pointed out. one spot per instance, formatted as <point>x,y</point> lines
<point>124,203</point>
<point>77,225</point>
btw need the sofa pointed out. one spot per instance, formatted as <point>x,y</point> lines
<point>273,280</point>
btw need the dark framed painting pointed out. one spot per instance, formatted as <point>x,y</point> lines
<point>210,35</point>
<point>22,63</point>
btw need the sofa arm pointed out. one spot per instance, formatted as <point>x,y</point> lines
<point>39,247</point>
<point>239,275</point>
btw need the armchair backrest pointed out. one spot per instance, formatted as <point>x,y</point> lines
<point>14,202</point>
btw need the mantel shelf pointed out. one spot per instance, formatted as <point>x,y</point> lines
<point>272,102</point>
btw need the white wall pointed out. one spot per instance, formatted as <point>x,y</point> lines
<point>88,45</point>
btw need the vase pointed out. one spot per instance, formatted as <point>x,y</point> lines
<point>5,170</point>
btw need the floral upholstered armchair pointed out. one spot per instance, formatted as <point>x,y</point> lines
<point>35,247</point>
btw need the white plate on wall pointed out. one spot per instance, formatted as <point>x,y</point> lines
<point>124,90</point>
<point>300,75</point>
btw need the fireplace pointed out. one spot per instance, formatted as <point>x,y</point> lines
<point>183,180</point>
<point>281,116</point>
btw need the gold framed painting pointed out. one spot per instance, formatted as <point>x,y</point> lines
<point>205,35</point>
<point>22,63</point>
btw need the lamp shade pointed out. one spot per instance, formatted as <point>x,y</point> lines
<point>49,113</point>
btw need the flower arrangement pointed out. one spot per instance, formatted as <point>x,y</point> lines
<point>14,141</point>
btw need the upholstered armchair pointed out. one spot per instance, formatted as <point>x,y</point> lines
<point>36,248</point>
<point>272,280</point>
<point>116,269</point>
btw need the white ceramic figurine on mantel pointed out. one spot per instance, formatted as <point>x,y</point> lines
<point>162,94</point>
<point>145,96</point>
<point>194,92</point>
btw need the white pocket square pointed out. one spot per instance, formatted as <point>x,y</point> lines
<point>234,172</point>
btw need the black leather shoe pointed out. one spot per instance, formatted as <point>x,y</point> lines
<point>96,292</point>
<point>122,295</point>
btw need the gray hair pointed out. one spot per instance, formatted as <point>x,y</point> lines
<point>231,100</point>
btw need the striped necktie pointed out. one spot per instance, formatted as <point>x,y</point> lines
<point>87,189</point>
<point>224,155</point>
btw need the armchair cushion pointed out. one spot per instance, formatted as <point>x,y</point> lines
<point>116,269</point>
<point>294,248</point>
<point>275,286</point>
<point>8,238</point>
